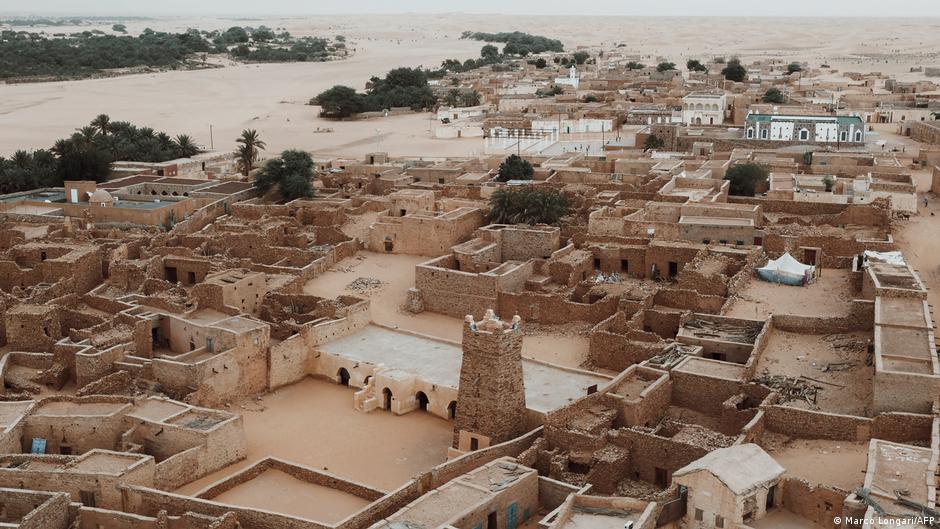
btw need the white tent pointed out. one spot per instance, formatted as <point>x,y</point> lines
<point>786,270</point>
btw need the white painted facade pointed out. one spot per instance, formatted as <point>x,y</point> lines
<point>703,108</point>
<point>571,126</point>
<point>572,80</point>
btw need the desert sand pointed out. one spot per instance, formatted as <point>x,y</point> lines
<point>313,423</point>
<point>272,97</point>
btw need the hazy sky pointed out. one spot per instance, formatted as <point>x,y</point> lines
<point>911,8</point>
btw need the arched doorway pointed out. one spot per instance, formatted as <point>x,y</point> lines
<point>422,401</point>
<point>452,410</point>
<point>343,376</point>
<point>387,399</point>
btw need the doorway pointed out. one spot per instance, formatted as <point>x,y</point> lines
<point>343,376</point>
<point>423,401</point>
<point>452,410</point>
<point>387,399</point>
<point>673,269</point>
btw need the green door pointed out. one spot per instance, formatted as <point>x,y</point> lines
<point>511,516</point>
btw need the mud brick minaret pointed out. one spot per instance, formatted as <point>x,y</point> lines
<point>491,397</point>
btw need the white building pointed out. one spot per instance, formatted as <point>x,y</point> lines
<point>808,129</point>
<point>572,80</point>
<point>703,108</point>
<point>729,487</point>
<point>571,126</point>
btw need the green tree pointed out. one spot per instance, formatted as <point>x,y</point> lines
<point>773,95</point>
<point>794,67</point>
<point>694,65</point>
<point>103,123</point>
<point>580,57</point>
<point>541,63</point>
<point>515,167</point>
<point>185,146</point>
<point>653,143</point>
<point>745,178</point>
<point>248,150</point>
<point>633,65</point>
<point>829,181</point>
<point>235,34</point>
<point>290,174</point>
<point>338,102</point>
<point>452,98</point>
<point>527,205</point>
<point>734,71</point>
<point>470,98</point>
<point>262,34</point>
<point>589,98</point>
<point>489,53</point>
<point>665,66</point>
<point>119,28</point>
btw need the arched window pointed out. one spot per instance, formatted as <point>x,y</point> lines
<point>858,135</point>
<point>750,133</point>
<point>763,134</point>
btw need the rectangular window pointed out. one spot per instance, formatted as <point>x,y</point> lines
<point>699,515</point>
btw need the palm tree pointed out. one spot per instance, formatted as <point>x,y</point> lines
<point>527,205</point>
<point>166,142</point>
<point>453,97</point>
<point>247,152</point>
<point>185,146</point>
<point>102,123</point>
<point>21,159</point>
<point>87,134</point>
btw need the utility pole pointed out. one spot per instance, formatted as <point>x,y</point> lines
<point>211,142</point>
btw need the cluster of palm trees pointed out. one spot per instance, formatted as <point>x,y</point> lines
<point>527,205</point>
<point>89,152</point>
<point>462,98</point>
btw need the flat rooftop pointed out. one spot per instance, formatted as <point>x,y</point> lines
<point>547,387</point>
<point>67,408</point>
<point>715,221</point>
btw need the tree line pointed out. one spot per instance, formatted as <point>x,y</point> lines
<point>401,87</point>
<point>87,53</point>
<point>517,42</point>
<point>88,154</point>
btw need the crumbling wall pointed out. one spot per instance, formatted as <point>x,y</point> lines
<point>819,504</point>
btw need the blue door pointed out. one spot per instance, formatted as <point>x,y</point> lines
<point>511,516</point>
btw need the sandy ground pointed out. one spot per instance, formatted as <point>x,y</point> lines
<point>277,491</point>
<point>268,97</point>
<point>846,388</point>
<point>818,461</point>
<point>313,423</point>
<point>272,97</point>
<point>828,296</point>
<point>917,238</point>
<point>567,347</point>
<point>781,518</point>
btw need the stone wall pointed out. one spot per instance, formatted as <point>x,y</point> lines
<point>819,504</point>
